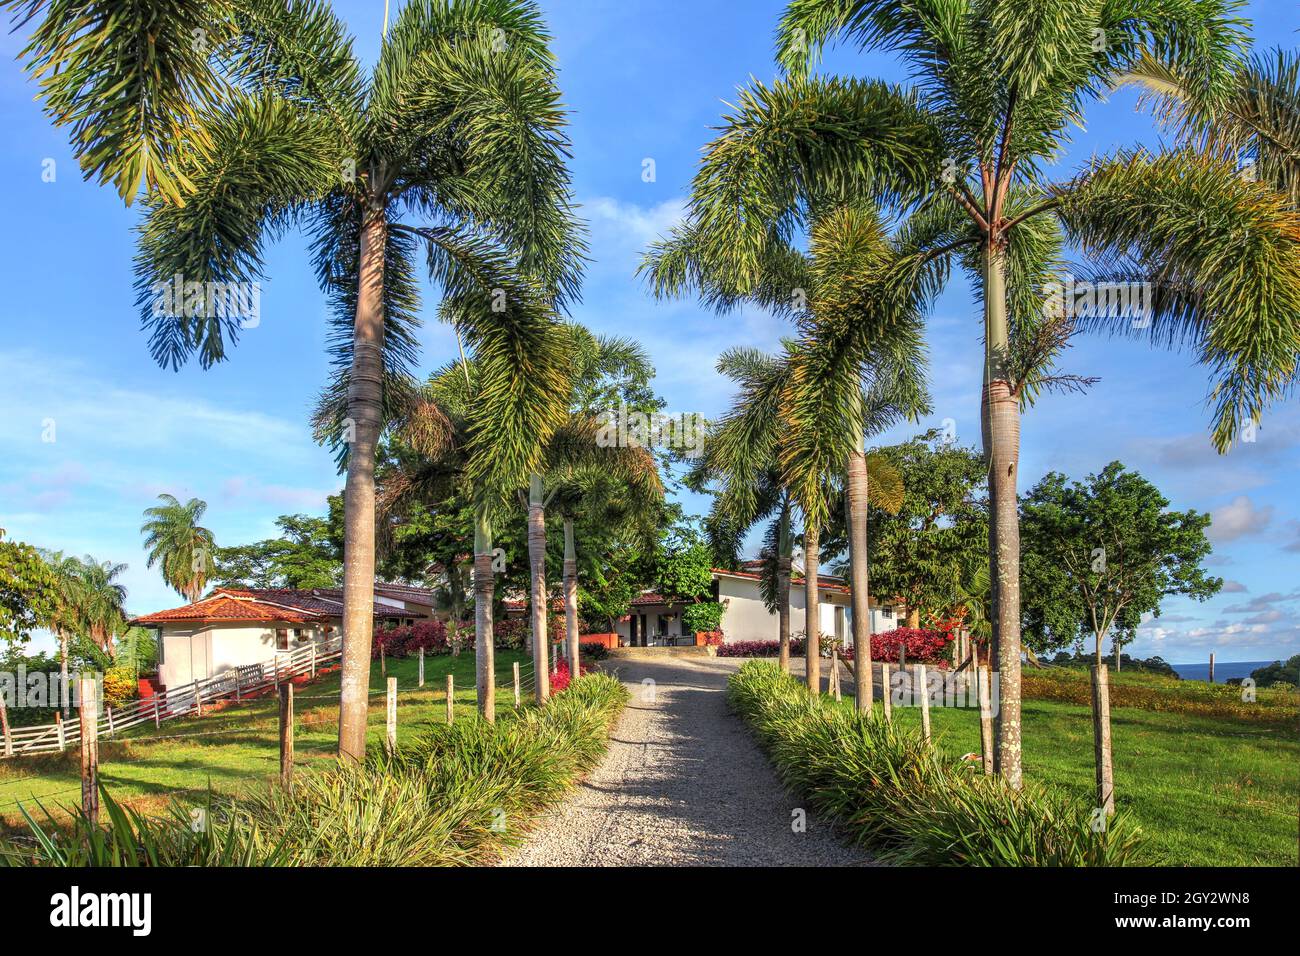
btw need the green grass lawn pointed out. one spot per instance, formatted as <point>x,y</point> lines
<point>1206,790</point>
<point>240,745</point>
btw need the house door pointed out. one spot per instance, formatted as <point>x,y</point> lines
<point>200,655</point>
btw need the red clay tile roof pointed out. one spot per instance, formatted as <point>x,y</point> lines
<point>406,592</point>
<point>650,598</point>
<point>295,605</point>
<point>222,607</point>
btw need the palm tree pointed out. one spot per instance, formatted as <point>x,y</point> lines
<point>598,486</point>
<point>105,599</point>
<point>179,545</point>
<point>857,332</point>
<point>248,116</point>
<point>997,85</point>
<point>603,369</point>
<point>68,617</point>
<point>739,467</point>
<point>441,446</point>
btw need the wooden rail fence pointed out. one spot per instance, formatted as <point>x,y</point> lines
<point>185,700</point>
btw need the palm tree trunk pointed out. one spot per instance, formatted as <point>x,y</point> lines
<point>365,410</point>
<point>858,580</point>
<point>484,587</point>
<point>1000,417</point>
<point>537,589</point>
<point>64,702</point>
<point>786,544</point>
<point>571,597</point>
<point>812,622</point>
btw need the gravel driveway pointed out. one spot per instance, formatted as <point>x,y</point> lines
<point>683,783</point>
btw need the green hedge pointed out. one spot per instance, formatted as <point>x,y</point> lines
<point>457,797</point>
<point>906,800</point>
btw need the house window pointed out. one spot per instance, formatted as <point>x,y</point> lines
<point>301,634</point>
<point>281,638</point>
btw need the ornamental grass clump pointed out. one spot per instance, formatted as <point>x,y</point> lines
<point>907,800</point>
<point>458,796</point>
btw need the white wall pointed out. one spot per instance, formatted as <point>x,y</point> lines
<point>217,648</point>
<point>747,619</point>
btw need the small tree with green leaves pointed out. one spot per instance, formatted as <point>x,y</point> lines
<point>1101,553</point>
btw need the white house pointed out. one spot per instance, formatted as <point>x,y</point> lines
<point>233,627</point>
<point>654,620</point>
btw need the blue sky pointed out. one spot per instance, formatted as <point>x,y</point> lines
<point>643,79</point>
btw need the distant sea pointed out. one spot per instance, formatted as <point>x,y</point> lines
<point>1222,670</point>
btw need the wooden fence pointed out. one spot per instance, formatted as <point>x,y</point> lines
<point>176,701</point>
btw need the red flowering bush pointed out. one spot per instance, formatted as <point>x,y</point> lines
<point>922,646</point>
<point>511,633</point>
<point>759,648</point>
<point>561,677</point>
<point>406,641</point>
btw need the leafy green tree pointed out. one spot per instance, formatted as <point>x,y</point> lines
<point>29,591</point>
<point>930,548</point>
<point>306,555</point>
<point>1278,673</point>
<point>181,547</point>
<point>1102,553</point>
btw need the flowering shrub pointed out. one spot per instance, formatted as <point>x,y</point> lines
<point>922,646</point>
<point>119,686</point>
<point>511,633</point>
<point>561,676</point>
<point>405,641</point>
<point>759,648</point>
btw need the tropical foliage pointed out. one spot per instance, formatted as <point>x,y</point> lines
<point>896,793</point>
<point>308,554</point>
<point>1102,554</point>
<point>29,594</point>
<point>181,547</point>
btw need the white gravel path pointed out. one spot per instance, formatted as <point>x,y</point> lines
<point>683,784</point>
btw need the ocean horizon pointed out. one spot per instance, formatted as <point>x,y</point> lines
<point>1223,670</point>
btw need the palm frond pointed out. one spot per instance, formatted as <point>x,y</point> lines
<point>1228,244</point>
<point>131,80</point>
<point>270,161</point>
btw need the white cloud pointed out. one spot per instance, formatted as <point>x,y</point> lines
<point>629,224</point>
<point>1241,518</point>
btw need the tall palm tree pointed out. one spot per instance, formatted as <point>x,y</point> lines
<point>244,117</point>
<point>996,87</point>
<point>69,613</point>
<point>181,547</point>
<point>105,599</point>
<point>603,369</point>
<point>609,487</point>
<point>857,333</point>
<point>441,445</point>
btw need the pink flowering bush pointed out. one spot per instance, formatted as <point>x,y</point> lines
<point>405,641</point>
